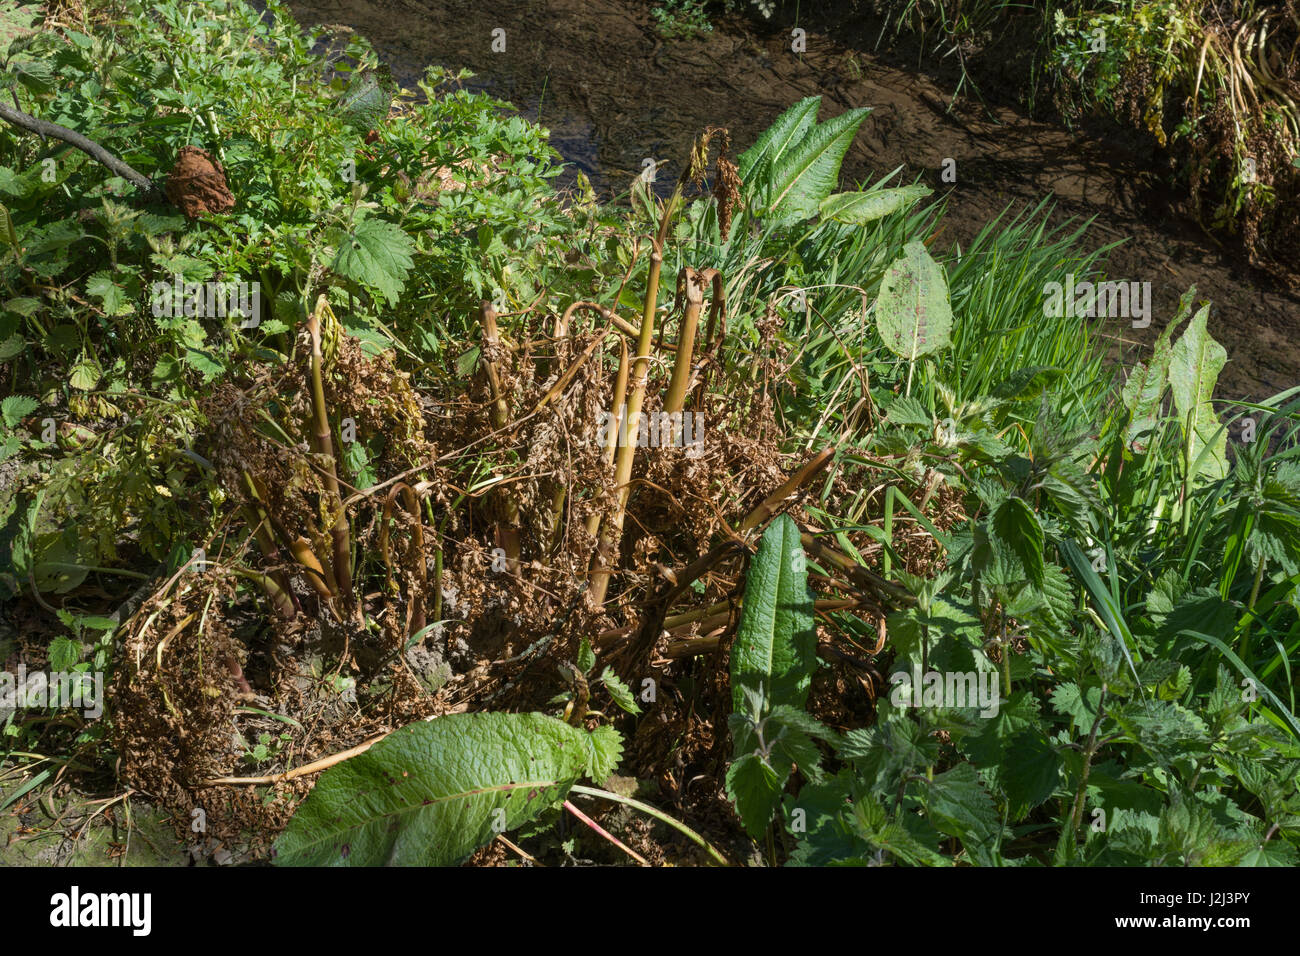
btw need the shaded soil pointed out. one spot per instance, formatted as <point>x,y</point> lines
<point>613,93</point>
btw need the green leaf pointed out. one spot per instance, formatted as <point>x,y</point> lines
<point>586,657</point>
<point>365,103</point>
<point>905,410</point>
<point>788,128</point>
<point>376,253</point>
<point>64,654</point>
<point>102,287</point>
<point>604,751</point>
<point>776,646</point>
<point>1031,774</point>
<point>913,314</point>
<point>1016,527</point>
<point>794,181</point>
<point>754,786</point>
<point>619,691</point>
<point>860,208</point>
<point>85,375</point>
<point>17,407</point>
<point>12,347</point>
<point>1273,853</point>
<point>1026,384</point>
<point>23,305</point>
<point>1194,365</point>
<point>431,793</point>
<point>961,807</point>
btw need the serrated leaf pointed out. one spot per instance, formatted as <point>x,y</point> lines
<point>102,287</point>
<point>36,76</point>
<point>913,314</point>
<point>906,410</point>
<point>619,691</point>
<point>366,101</point>
<point>17,407</point>
<point>960,806</point>
<point>85,375</point>
<point>376,253</point>
<point>1030,774</point>
<point>430,793</point>
<point>12,347</point>
<point>860,208</point>
<point>1016,527</point>
<point>64,654</point>
<point>1026,384</point>
<point>604,751</point>
<point>754,786</point>
<point>1273,853</point>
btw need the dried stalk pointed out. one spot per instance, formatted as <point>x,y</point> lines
<point>323,445</point>
<point>507,534</point>
<point>692,284</point>
<point>796,481</point>
<point>611,437</point>
<point>609,541</point>
<point>415,619</point>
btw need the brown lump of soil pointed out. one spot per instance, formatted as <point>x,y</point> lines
<point>197,184</point>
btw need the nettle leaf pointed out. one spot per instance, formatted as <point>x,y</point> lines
<point>12,347</point>
<point>860,208</point>
<point>1164,728</point>
<point>1194,365</point>
<point>913,314</point>
<point>959,805</point>
<point>1026,384</point>
<point>776,647</point>
<point>1081,706</point>
<point>906,410</point>
<point>376,253</point>
<point>754,786</point>
<point>110,295</point>
<point>64,653</point>
<point>1273,853</point>
<point>1032,773</point>
<point>1016,528</point>
<point>619,691</point>
<point>36,76</point>
<point>431,793</point>
<point>17,407</point>
<point>86,374</point>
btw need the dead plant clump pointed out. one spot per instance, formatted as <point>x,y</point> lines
<point>493,539</point>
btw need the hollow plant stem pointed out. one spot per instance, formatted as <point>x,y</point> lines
<point>609,543</point>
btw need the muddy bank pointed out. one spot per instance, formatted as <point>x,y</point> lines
<point>614,93</point>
